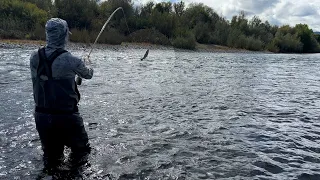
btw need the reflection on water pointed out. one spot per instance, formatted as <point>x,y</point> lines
<point>178,115</point>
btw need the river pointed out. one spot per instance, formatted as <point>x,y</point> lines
<point>177,115</point>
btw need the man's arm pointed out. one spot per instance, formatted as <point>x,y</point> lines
<point>33,64</point>
<point>82,70</point>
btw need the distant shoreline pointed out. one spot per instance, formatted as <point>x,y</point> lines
<point>18,43</point>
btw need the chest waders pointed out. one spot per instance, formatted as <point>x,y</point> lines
<point>54,95</point>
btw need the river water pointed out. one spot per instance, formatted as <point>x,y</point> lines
<point>177,115</point>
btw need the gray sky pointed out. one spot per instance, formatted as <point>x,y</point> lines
<point>279,12</point>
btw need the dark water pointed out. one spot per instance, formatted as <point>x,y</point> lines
<point>178,115</point>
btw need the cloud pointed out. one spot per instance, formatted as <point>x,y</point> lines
<point>305,10</point>
<point>256,6</point>
<point>299,12</point>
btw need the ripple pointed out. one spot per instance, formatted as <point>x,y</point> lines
<point>272,168</point>
<point>182,116</point>
<point>306,176</point>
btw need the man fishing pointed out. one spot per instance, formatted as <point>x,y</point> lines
<point>58,122</point>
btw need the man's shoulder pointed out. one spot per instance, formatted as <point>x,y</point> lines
<point>34,53</point>
<point>71,57</point>
<point>34,56</point>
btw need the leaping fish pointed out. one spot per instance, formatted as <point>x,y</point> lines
<point>145,55</point>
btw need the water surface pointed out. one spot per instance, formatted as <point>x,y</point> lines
<point>178,115</point>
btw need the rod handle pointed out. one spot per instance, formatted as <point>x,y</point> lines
<point>78,81</point>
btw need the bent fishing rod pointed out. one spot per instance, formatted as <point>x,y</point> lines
<point>104,26</point>
<point>79,79</point>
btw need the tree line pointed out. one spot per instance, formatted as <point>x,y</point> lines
<point>160,23</point>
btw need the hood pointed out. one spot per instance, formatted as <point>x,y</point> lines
<point>56,33</point>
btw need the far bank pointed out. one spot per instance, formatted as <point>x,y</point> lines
<point>18,43</point>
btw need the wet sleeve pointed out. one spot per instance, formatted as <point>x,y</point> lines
<point>82,70</point>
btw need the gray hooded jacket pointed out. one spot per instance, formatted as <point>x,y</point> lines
<point>64,69</point>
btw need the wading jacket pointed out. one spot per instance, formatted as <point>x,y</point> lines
<point>54,87</point>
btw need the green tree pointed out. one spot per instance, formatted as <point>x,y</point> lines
<point>118,21</point>
<point>202,32</point>
<point>240,22</point>
<point>163,7</point>
<point>179,8</point>
<point>146,10</point>
<point>164,22</point>
<point>259,30</point>
<point>78,13</point>
<point>18,18</point>
<point>197,13</point>
<point>286,43</point>
<point>46,5</point>
<point>185,39</point>
<point>220,33</point>
<point>317,36</point>
<point>307,38</point>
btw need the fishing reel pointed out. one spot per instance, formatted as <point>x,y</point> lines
<point>78,80</point>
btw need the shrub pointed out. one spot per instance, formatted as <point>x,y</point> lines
<point>109,36</point>
<point>254,44</point>
<point>273,48</point>
<point>202,33</point>
<point>233,38</point>
<point>39,33</point>
<point>19,19</point>
<point>149,36</point>
<point>238,40</point>
<point>10,34</point>
<point>21,13</point>
<point>80,36</point>
<point>186,42</point>
<point>287,43</point>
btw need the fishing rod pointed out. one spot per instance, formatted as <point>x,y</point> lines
<point>79,79</point>
<point>104,26</point>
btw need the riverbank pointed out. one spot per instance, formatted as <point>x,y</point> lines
<point>13,43</point>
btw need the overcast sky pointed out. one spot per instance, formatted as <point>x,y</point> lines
<point>279,12</point>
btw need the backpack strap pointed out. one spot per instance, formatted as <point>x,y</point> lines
<point>45,63</point>
<point>43,68</point>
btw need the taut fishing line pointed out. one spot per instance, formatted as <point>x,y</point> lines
<point>79,80</point>
<point>104,26</point>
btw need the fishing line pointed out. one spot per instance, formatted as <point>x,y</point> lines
<point>104,26</point>
<point>78,79</point>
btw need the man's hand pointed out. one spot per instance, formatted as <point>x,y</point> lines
<point>87,60</point>
<point>78,80</point>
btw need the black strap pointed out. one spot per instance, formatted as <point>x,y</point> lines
<point>43,65</point>
<point>46,63</point>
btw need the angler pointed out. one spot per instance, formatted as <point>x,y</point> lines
<point>56,97</point>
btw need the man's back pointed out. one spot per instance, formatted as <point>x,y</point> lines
<point>56,96</point>
<point>64,66</point>
<point>59,93</point>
